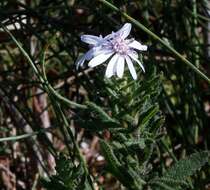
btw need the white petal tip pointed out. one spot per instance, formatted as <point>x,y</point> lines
<point>82,38</point>
<point>134,77</point>
<point>108,76</point>
<point>127,24</point>
<point>91,66</point>
<point>137,45</point>
<point>144,48</point>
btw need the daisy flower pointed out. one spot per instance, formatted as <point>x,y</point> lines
<point>115,48</point>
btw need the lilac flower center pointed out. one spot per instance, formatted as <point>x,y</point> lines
<point>120,46</point>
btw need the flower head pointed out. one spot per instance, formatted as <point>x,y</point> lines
<point>115,48</point>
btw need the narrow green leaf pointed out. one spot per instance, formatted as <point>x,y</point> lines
<point>101,113</point>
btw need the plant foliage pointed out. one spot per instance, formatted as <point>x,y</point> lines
<point>77,129</point>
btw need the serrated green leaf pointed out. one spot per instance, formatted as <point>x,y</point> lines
<point>187,167</point>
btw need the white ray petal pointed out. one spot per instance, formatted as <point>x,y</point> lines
<point>131,67</point>
<point>115,68</point>
<point>120,66</point>
<point>89,54</point>
<point>100,50</point>
<point>90,39</point>
<point>110,70</point>
<point>125,30</point>
<point>80,61</point>
<point>99,59</point>
<point>136,45</point>
<point>135,59</point>
<point>134,53</point>
<point>107,37</point>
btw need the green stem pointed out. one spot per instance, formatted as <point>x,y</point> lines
<point>170,152</point>
<point>53,97</point>
<point>65,100</point>
<point>68,132</point>
<point>52,90</point>
<point>24,53</point>
<point>43,79</point>
<point>24,136</point>
<point>154,36</point>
